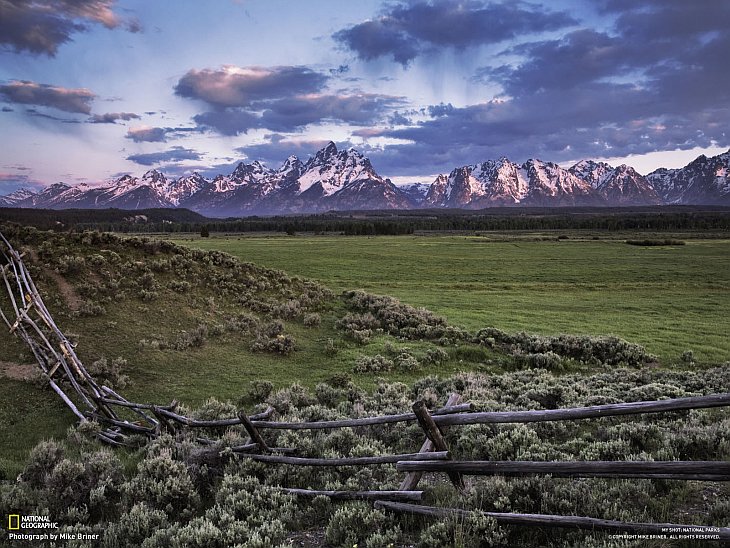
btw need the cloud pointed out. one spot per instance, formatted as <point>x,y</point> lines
<point>112,117</point>
<point>31,93</point>
<point>409,29</point>
<point>35,113</point>
<point>228,121</point>
<point>233,86</point>
<point>295,113</point>
<point>10,182</point>
<point>648,83</point>
<point>283,98</point>
<point>148,134</point>
<point>41,26</point>
<point>173,155</point>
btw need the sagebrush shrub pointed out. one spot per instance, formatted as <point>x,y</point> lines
<point>164,484</point>
<point>260,390</point>
<point>358,523</point>
<point>373,364</point>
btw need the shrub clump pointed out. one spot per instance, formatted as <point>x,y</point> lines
<point>271,338</point>
<point>164,484</point>
<point>373,364</point>
<point>547,360</point>
<point>312,320</point>
<point>394,317</point>
<point>595,350</point>
<point>109,372</point>
<point>195,338</point>
<point>360,524</point>
<point>258,391</point>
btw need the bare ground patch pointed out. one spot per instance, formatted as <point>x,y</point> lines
<point>17,371</point>
<point>67,291</point>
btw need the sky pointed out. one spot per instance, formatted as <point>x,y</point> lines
<point>94,89</point>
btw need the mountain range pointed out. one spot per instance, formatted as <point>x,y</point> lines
<point>345,180</point>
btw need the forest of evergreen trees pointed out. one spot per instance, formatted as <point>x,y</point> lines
<point>659,218</point>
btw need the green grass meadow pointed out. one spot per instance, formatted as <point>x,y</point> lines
<point>668,298</point>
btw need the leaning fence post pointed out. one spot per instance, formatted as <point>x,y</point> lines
<point>434,434</point>
<point>412,478</point>
<point>253,432</point>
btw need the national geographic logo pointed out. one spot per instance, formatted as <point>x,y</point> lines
<point>13,522</point>
<point>17,522</point>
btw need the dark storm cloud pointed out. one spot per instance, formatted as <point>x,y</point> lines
<point>294,113</point>
<point>599,120</point>
<point>227,121</point>
<point>233,86</point>
<point>650,83</point>
<point>32,93</point>
<point>175,154</point>
<point>297,112</point>
<point>41,26</point>
<point>662,19</point>
<point>113,117</point>
<point>286,98</point>
<point>406,30</point>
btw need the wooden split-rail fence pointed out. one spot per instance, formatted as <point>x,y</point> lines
<point>31,321</point>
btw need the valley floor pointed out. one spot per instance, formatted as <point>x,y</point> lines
<point>669,298</point>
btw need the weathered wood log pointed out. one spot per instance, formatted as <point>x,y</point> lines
<point>364,421</point>
<point>250,447</point>
<point>356,495</point>
<point>66,400</point>
<point>196,423</point>
<point>124,424</point>
<point>163,422</point>
<point>109,440</point>
<point>592,412</point>
<point>704,470</point>
<point>570,522</point>
<point>137,410</point>
<point>347,461</point>
<point>434,434</point>
<point>410,482</point>
<point>252,431</point>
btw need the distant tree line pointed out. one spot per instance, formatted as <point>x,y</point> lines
<point>664,218</point>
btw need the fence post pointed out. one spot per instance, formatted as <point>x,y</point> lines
<point>435,435</point>
<point>412,478</point>
<point>253,432</point>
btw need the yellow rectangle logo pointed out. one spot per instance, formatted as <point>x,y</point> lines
<point>13,519</point>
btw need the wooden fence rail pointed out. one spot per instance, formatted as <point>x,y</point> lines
<point>681,470</point>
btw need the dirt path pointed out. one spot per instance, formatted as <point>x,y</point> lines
<point>66,290</point>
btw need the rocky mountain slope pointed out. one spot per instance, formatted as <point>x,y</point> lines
<point>345,180</point>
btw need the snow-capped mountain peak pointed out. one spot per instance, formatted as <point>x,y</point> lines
<point>335,179</point>
<point>16,197</point>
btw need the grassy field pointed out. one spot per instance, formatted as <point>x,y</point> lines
<point>194,325</point>
<point>670,299</point>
